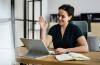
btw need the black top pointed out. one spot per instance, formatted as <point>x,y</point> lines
<point>71,34</point>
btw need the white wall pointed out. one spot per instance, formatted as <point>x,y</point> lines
<point>19,32</point>
<point>81,6</point>
<point>45,8</point>
<point>6,44</point>
<point>5,9</point>
<point>7,56</point>
<point>19,9</point>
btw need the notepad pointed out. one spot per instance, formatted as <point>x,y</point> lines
<point>71,56</point>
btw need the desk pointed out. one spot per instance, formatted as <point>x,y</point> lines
<point>50,60</point>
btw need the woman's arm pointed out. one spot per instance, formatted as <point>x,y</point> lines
<point>82,47</point>
<point>47,39</point>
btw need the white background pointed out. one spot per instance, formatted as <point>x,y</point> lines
<point>81,6</point>
<point>7,56</point>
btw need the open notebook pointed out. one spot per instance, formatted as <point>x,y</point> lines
<point>71,56</point>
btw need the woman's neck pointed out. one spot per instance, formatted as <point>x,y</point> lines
<point>64,26</point>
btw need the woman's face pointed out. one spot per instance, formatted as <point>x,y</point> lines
<point>63,17</point>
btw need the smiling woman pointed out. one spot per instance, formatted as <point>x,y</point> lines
<point>66,36</point>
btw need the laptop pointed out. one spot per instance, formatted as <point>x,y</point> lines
<point>37,48</point>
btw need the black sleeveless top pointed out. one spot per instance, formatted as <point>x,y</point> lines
<point>71,34</point>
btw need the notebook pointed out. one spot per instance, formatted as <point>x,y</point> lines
<point>37,48</point>
<point>71,56</point>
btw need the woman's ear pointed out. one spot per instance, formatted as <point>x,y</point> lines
<point>70,17</point>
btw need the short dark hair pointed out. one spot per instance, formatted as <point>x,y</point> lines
<point>68,8</point>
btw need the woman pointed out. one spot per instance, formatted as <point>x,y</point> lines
<point>66,37</point>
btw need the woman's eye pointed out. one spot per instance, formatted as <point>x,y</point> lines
<point>63,17</point>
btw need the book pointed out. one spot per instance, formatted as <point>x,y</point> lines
<point>71,56</point>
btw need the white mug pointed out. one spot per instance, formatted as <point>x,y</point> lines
<point>94,43</point>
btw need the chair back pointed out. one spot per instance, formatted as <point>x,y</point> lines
<point>83,25</point>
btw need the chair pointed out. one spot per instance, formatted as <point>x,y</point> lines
<point>93,41</point>
<point>83,25</point>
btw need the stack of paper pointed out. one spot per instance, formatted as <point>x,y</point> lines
<point>71,56</point>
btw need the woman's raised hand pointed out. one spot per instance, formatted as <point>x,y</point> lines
<point>43,23</point>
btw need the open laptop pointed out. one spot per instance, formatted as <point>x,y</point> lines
<point>37,48</point>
